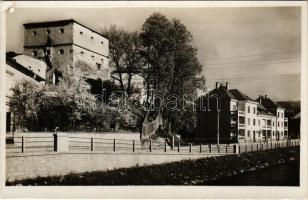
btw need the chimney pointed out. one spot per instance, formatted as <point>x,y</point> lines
<point>227,85</point>
<point>217,85</point>
<point>265,96</point>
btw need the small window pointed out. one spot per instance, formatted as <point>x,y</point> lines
<point>98,66</point>
<point>248,133</point>
<point>47,31</point>
<point>30,67</point>
<point>34,53</point>
<point>102,42</point>
<point>48,52</point>
<point>102,60</point>
<point>82,53</point>
<point>248,109</point>
<point>92,56</point>
<point>61,51</point>
<point>81,33</point>
<point>39,70</point>
<point>92,37</point>
<point>61,30</point>
<point>254,122</point>
<point>34,33</point>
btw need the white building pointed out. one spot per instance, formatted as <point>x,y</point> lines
<point>21,67</point>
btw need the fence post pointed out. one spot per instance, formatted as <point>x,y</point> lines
<point>210,148</point>
<point>179,146</point>
<point>235,148</point>
<point>22,144</point>
<point>114,145</point>
<point>190,145</point>
<point>165,145</point>
<point>200,147</point>
<point>92,144</point>
<point>133,145</point>
<point>55,142</point>
<point>150,145</point>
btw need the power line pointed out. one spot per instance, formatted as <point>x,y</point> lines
<point>248,61</point>
<point>257,77</point>
<point>255,65</point>
<point>252,55</point>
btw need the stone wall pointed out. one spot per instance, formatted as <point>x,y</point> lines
<point>55,164</point>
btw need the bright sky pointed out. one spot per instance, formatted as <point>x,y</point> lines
<point>257,50</point>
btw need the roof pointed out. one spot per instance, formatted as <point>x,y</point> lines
<point>11,62</point>
<point>57,23</point>
<point>263,111</point>
<point>239,95</point>
<point>223,92</point>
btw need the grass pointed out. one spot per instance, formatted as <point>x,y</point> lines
<point>189,172</point>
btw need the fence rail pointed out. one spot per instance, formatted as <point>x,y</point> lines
<point>26,144</point>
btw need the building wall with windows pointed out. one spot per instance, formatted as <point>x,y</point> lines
<point>66,43</point>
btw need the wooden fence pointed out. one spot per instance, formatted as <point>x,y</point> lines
<point>25,144</point>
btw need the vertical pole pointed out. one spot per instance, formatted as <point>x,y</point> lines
<point>218,149</point>
<point>200,147</point>
<point>234,148</point>
<point>22,144</point>
<point>210,148</point>
<point>92,144</point>
<point>133,145</point>
<point>114,145</point>
<point>165,145</point>
<point>55,142</point>
<point>150,145</point>
<point>190,145</point>
<point>179,146</point>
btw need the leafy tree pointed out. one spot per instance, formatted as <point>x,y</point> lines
<point>172,67</point>
<point>124,56</point>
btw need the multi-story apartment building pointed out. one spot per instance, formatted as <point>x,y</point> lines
<point>21,67</point>
<point>65,45</point>
<point>239,118</point>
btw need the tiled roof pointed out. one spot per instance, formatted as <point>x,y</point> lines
<point>239,95</point>
<point>263,111</point>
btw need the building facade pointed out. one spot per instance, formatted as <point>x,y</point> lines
<point>21,68</point>
<point>232,116</point>
<point>65,45</point>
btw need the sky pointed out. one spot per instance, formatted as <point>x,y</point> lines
<point>257,50</point>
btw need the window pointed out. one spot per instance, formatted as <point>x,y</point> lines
<point>61,30</point>
<point>241,120</point>
<point>234,107</point>
<point>98,66</point>
<point>81,33</point>
<point>48,51</point>
<point>254,110</point>
<point>82,53</point>
<point>92,56</point>
<point>278,124</point>
<point>34,53</point>
<point>248,133</point>
<point>34,33</point>
<point>254,122</point>
<point>71,50</point>
<point>248,121</point>
<point>248,109</point>
<point>273,123</point>
<point>61,51</point>
<point>278,114</point>
<point>282,115</point>
<point>39,70</point>
<point>47,32</point>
